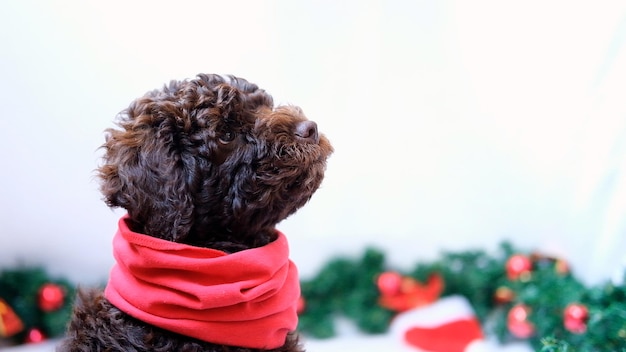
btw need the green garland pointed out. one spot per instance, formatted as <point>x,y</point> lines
<point>347,286</point>
<point>27,315</point>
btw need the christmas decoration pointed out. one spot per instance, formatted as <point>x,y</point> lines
<point>10,323</point>
<point>301,305</point>
<point>518,322</point>
<point>51,297</point>
<point>389,283</point>
<point>403,293</point>
<point>346,287</point>
<point>504,295</point>
<point>514,295</point>
<point>575,318</point>
<point>561,267</point>
<point>545,262</point>
<point>33,305</point>
<point>448,325</point>
<point>34,335</point>
<point>518,266</point>
<point>533,297</point>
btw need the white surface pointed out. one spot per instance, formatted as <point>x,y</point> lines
<point>383,343</point>
<point>350,343</point>
<point>47,346</point>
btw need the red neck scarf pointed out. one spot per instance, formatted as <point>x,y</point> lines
<point>246,299</point>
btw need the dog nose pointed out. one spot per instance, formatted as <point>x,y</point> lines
<point>307,130</point>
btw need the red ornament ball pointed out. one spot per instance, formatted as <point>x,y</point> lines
<point>34,335</point>
<point>301,305</point>
<point>517,322</point>
<point>504,295</point>
<point>575,318</point>
<point>389,283</point>
<point>518,266</point>
<point>51,297</point>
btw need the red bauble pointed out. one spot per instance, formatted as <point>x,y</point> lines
<point>34,336</point>
<point>504,295</point>
<point>301,305</point>
<point>518,266</point>
<point>51,297</point>
<point>389,283</point>
<point>575,318</point>
<point>517,322</point>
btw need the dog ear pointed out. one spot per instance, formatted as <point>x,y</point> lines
<point>147,172</point>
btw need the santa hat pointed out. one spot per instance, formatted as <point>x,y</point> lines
<point>447,325</point>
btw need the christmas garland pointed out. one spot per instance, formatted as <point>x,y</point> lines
<point>515,295</point>
<point>33,306</point>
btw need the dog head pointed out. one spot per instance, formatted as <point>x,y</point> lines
<point>211,162</point>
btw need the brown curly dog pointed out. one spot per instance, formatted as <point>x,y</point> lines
<point>205,169</point>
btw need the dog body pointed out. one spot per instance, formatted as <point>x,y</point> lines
<point>211,166</point>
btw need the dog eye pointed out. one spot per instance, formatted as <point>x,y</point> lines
<point>227,137</point>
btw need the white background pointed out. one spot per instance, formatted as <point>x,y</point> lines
<point>456,124</point>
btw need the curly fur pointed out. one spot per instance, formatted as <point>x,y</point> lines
<point>208,162</point>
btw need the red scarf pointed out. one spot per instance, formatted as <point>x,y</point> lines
<point>246,299</point>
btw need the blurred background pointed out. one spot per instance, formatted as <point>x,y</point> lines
<point>456,124</point>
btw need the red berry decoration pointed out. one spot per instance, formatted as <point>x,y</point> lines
<point>51,297</point>
<point>575,318</point>
<point>389,283</point>
<point>517,322</point>
<point>34,335</point>
<point>518,266</point>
